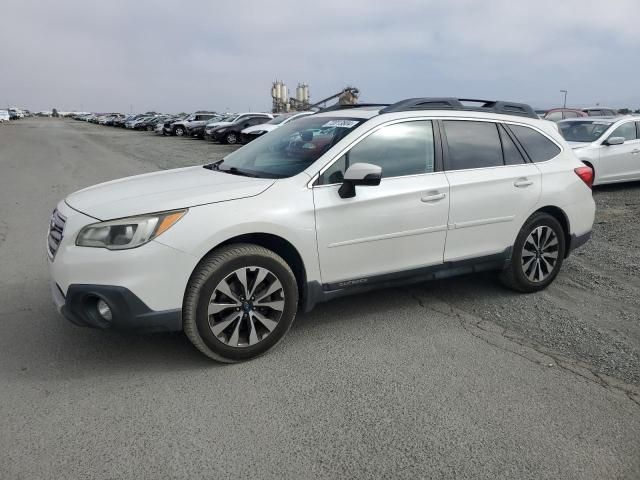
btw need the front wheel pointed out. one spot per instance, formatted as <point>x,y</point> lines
<point>179,131</point>
<point>231,138</point>
<point>537,254</point>
<point>240,302</point>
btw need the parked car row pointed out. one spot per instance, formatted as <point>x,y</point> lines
<point>231,129</point>
<point>608,144</point>
<point>557,114</point>
<point>13,114</point>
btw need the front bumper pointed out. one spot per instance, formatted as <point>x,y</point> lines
<point>248,137</point>
<point>128,312</point>
<point>153,278</point>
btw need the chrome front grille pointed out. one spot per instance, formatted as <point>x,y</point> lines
<point>56,229</point>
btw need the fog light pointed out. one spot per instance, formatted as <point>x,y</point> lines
<point>104,310</point>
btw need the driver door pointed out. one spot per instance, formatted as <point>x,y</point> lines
<point>396,226</point>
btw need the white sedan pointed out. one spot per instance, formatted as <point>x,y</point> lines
<point>609,145</point>
<point>251,133</point>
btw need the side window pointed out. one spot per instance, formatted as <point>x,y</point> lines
<point>538,147</point>
<point>594,113</point>
<point>626,130</point>
<point>554,116</point>
<point>512,155</point>
<point>570,115</point>
<point>400,149</point>
<point>638,129</point>
<point>472,144</point>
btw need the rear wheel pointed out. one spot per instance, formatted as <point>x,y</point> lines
<point>240,302</point>
<point>537,254</point>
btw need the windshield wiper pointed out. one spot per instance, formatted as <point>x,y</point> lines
<point>237,171</point>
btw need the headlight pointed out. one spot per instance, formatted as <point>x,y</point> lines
<point>127,232</point>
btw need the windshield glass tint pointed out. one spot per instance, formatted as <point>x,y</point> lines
<point>584,130</point>
<point>291,148</point>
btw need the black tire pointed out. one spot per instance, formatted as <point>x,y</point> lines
<point>231,138</point>
<point>179,131</point>
<point>149,128</point>
<point>514,276</point>
<point>210,272</point>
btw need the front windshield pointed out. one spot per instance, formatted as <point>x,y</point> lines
<point>291,148</point>
<point>583,130</point>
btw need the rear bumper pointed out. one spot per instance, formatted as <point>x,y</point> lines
<point>128,311</point>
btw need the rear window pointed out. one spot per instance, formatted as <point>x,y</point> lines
<point>538,147</point>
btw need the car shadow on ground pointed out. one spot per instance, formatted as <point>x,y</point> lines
<point>66,350</point>
<point>617,187</point>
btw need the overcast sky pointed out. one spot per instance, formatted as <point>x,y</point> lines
<point>172,56</point>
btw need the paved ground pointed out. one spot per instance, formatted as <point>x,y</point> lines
<point>452,379</point>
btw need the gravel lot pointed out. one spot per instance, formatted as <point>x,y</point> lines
<point>451,379</point>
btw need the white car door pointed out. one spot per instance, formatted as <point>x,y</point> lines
<point>620,162</point>
<point>396,226</point>
<point>493,188</point>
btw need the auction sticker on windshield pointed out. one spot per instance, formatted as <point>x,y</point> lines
<point>340,123</point>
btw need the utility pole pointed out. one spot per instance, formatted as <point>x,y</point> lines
<point>565,98</point>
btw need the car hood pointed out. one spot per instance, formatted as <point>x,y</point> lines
<point>576,145</point>
<point>263,127</point>
<point>165,190</point>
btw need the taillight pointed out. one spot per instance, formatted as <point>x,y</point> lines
<point>586,175</point>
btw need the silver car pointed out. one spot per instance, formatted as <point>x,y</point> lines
<point>609,145</point>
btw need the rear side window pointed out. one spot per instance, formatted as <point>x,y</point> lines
<point>472,144</point>
<point>512,155</point>
<point>538,147</point>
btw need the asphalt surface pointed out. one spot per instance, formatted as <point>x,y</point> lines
<point>450,379</point>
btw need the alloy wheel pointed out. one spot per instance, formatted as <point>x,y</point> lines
<point>246,306</point>
<point>540,253</point>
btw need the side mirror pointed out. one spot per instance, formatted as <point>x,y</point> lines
<point>614,141</point>
<point>359,174</point>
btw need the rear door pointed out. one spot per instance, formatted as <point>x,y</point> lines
<point>621,162</point>
<point>493,188</point>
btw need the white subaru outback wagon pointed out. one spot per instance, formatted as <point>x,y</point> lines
<point>338,202</point>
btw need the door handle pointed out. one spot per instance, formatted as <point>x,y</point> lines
<point>433,197</point>
<point>522,183</point>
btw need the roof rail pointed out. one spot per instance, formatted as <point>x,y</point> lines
<point>449,103</point>
<point>357,105</point>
